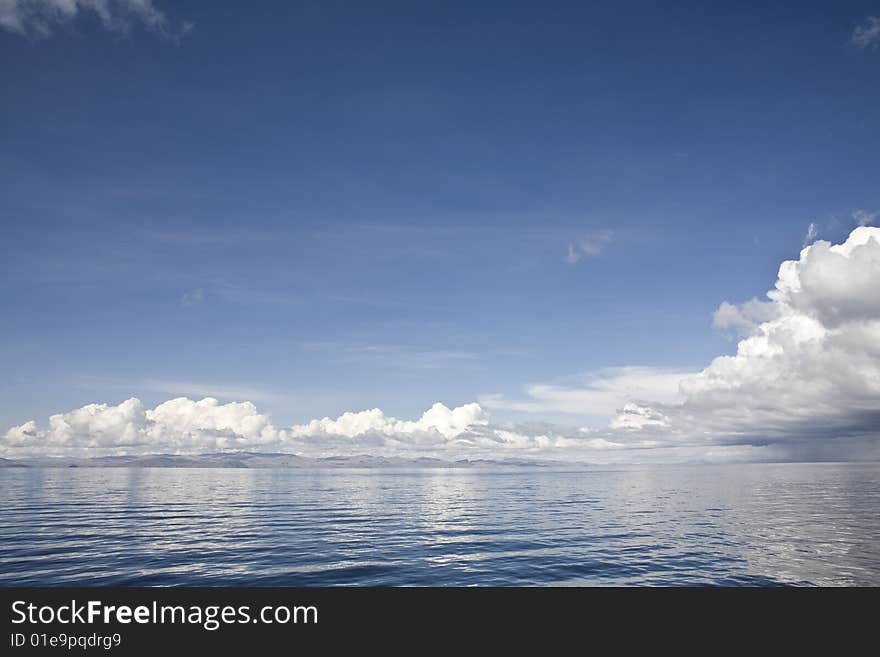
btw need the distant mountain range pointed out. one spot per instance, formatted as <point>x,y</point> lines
<point>256,460</point>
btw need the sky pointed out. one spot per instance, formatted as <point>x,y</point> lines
<point>225,226</point>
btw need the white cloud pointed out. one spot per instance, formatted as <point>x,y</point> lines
<point>93,426</point>
<point>449,423</point>
<point>590,245</point>
<point>184,423</point>
<point>833,283</point>
<point>179,425</point>
<point>867,35</point>
<point>634,416</point>
<point>39,17</point>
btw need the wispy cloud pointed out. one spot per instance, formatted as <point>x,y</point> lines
<point>192,297</point>
<point>812,233</point>
<point>590,245</point>
<point>601,393</point>
<point>867,34</point>
<point>400,357</point>
<point>37,18</point>
<point>864,218</point>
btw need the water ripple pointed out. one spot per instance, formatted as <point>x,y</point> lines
<point>727,525</point>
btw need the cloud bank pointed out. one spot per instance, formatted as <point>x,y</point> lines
<point>804,383</point>
<point>37,18</point>
<point>187,426</point>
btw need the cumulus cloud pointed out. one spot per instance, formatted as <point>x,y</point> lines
<point>39,17</point>
<point>804,381</point>
<point>833,284</point>
<point>462,432</point>
<point>183,423</point>
<point>809,375</point>
<point>178,425</point>
<point>590,245</point>
<point>447,422</point>
<point>867,34</point>
<point>634,416</point>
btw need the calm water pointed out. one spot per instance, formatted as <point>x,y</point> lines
<point>751,525</point>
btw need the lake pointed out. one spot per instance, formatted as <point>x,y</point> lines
<point>801,524</point>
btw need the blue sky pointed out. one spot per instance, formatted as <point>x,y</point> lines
<point>332,206</point>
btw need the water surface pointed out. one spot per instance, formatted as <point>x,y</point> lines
<point>722,525</point>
